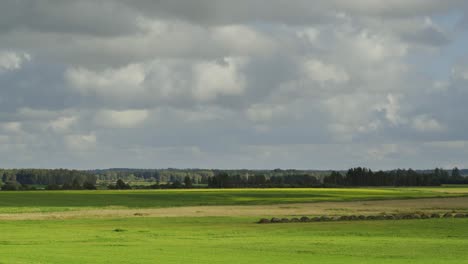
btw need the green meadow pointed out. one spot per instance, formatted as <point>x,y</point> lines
<point>46,201</point>
<point>232,240</point>
<point>236,239</point>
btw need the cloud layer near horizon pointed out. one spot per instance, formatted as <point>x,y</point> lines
<point>223,84</point>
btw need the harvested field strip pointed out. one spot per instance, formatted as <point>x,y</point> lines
<point>429,206</point>
<point>60,201</point>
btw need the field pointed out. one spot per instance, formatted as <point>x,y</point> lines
<point>218,226</point>
<point>45,201</point>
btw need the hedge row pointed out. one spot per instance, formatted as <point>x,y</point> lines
<point>325,218</point>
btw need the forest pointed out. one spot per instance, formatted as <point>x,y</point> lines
<point>63,179</point>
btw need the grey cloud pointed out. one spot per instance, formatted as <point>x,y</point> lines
<point>427,36</point>
<point>290,11</point>
<point>259,84</point>
<point>36,86</point>
<point>68,17</point>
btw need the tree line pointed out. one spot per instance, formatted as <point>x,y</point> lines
<point>26,179</point>
<point>400,177</point>
<point>224,180</point>
<point>63,179</point>
<point>355,177</point>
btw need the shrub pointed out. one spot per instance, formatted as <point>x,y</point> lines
<point>121,185</point>
<point>52,187</point>
<point>67,186</point>
<point>89,186</point>
<point>447,215</point>
<point>11,186</point>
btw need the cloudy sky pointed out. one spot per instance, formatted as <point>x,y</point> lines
<point>233,84</point>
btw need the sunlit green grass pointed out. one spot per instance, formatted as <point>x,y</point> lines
<point>44,201</point>
<point>224,239</point>
<point>232,240</point>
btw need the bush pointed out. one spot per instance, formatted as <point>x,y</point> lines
<point>89,186</point>
<point>11,186</point>
<point>76,185</point>
<point>67,186</point>
<point>52,187</point>
<point>155,186</point>
<point>121,185</point>
<point>176,185</point>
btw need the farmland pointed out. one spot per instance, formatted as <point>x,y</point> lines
<point>218,226</point>
<point>44,201</point>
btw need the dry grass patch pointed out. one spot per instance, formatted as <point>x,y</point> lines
<point>431,205</point>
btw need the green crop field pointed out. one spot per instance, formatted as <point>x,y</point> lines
<point>44,201</point>
<point>232,239</point>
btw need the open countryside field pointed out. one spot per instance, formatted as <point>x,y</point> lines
<point>232,240</point>
<point>218,226</point>
<point>50,201</point>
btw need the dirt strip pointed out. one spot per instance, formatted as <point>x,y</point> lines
<point>459,204</point>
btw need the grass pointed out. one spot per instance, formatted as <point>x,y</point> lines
<point>232,240</point>
<point>56,201</point>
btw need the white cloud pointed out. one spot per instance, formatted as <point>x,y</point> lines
<point>213,79</point>
<point>200,114</point>
<point>453,144</point>
<point>351,115</point>
<point>10,61</point>
<point>126,81</point>
<point>311,34</point>
<point>4,139</point>
<point>62,124</point>
<point>460,72</point>
<point>11,127</point>
<point>80,142</point>
<point>440,86</point>
<point>341,73</point>
<point>392,110</point>
<point>321,72</point>
<point>264,113</point>
<point>241,39</point>
<point>424,123</point>
<point>121,119</point>
<point>377,48</point>
<point>382,152</point>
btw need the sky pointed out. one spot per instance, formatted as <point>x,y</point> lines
<point>257,84</point>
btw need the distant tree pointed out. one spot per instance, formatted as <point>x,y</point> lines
<point>89,186</point>
<point>220,180</point>
<point>188,182</point>
<point>66,186</point>
<point>155,186</point>
<point>335,178</point>
<point>11,186</point>
<point>121,185</point>
<point>456,174</point>
<point>176,185</point>
<point>4,177</point>
<point>76,185</point>
<point>52,187</point>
